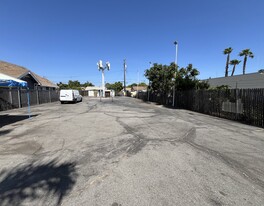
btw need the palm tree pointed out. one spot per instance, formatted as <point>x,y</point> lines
<point>234,62</point>
<point>228,52</point>
<point>246,53</point>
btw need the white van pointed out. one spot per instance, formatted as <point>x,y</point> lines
<point>70,95</point>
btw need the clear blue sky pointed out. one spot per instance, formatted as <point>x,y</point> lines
<point>64,39</point>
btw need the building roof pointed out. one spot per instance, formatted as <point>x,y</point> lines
<point>246,81</point>
<point>93,88</point>
<point>139,88</point>
<point>19,72</point>
<point>12,69</point>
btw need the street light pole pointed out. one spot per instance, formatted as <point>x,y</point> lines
<point>125,66</point>
<point>102,68</point>
<point>149,81</point>
<point>176,62</point>
<point>103,83</point>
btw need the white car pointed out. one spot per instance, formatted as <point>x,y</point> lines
<point>70,95</point>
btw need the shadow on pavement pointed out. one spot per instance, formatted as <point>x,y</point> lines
<point>3,132</point>
<point>37,182</point>
<point>10,119</point>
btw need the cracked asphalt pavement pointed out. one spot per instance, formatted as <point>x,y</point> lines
<point>127,152</point>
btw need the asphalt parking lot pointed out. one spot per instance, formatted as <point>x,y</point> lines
<point>127,152</point>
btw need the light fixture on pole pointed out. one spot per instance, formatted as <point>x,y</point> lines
<point>101,67</point>
<point>176,62</point>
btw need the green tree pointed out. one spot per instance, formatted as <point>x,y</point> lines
<point>142,84</point>
<point>234,62</point>
<point>87,84</point>
<point>62,85</point>
<point>227,52</point>
<point>117,86</point>
<point>135,84</point>
<point>246,53</point>
<point>161,78</point>
<point>186,79</point>
<point>74,84</point>
<point>202,85</point>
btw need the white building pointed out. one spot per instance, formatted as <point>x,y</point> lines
<point>246,81</point>
<point>97,91</point>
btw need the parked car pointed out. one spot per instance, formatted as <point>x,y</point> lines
<point>70,95</point>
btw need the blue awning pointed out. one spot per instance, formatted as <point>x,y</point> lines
<point>7,81</point>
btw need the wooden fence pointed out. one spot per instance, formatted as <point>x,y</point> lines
<point>244,105</point>
<point>11,98</point>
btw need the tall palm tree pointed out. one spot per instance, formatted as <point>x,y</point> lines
<point>227,52</point>
<point>234,62</point>
<point>246,53</point>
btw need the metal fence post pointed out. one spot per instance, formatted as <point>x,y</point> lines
<point>37,96</point>
<point>10,96</point>
<point>49,95</point>
<point>19,97</point>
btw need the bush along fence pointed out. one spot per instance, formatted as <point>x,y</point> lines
<point>11,98</point>
<point>243,105</point>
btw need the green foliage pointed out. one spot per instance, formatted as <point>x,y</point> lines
<point>117,86</point>
<point>161,77</point>
<point>186,79</point>
<point>74,85</point>
<point>234,62</point>
<point>131,85</point>
<point>140,84</point>
<point>228,50</point>
<point>221,87</point>
<point>62,85</point>
<point>87,84</point>
<point>246,53</point>
<point>202,85</point>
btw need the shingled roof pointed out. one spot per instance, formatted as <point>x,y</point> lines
<point>19,72</point>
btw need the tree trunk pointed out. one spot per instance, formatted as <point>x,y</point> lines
<point>233,71</point>
<point>227,62</point>
<point>244,65</point>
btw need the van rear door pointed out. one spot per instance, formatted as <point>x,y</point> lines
<point>66,95</point>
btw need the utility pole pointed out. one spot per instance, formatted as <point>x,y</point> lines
<point>125,66</point>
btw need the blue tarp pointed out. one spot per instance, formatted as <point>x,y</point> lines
<point>7,81</point>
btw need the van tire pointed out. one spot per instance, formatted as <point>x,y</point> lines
<point>62,102</point>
